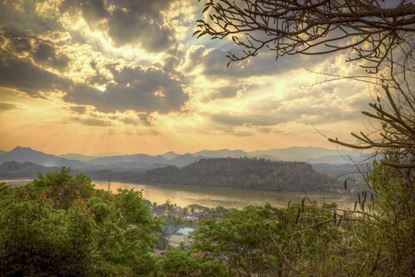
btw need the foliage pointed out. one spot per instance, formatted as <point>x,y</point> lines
<point>313,240</point>
<point>60,225</point>
<point>269,241</point>
<point>383,244</point>
<point>177,262</point>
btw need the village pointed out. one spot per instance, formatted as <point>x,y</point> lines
<point>181,222</point>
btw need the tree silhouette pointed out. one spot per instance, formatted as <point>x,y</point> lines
<point>370,28</point>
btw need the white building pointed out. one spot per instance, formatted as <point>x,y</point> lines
<point>180,237</point>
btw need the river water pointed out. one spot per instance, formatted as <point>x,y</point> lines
<point>215,196</point>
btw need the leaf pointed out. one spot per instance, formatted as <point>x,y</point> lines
<point>205,8</point>
<point>201,34</point>
<point>298,216</point>
<point>302,204</point>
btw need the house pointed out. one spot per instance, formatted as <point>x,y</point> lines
<point>186,231</point>
<point>177,240</point>
<point>180,238</point>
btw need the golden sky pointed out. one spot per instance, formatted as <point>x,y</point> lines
<point>99,77</point>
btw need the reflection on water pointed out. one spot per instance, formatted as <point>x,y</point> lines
<point>215,196</point>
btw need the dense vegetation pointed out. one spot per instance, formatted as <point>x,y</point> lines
<point>375,239</point>
<point>244,173</point>
<point>60,225</point>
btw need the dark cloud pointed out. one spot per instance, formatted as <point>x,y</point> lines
<point>128,21</point>
<point>225,92</point>
<point>25,20</point>
<point>140,119</point>
<point>138,89</point>
<point>19,45</point>
<point>93,122</point>
<point>7,106</point>
<point>214,62</point>
<point>44,53</point>
<point>144,90</point>
<point>78,109</point>
<point>26,77</point>
<point>40,51</point>
<point>134,22</point>
<point>248,119</point>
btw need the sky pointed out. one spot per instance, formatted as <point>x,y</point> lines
<point>125,76</point>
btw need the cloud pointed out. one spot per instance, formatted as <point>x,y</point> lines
<point>324,104</point>
<point>248,119</point>
<point>92,121</point>
<point>46,54</point>
<point>26,77</point>
<point>78,109</point>
<point>137,120</point>
<point>214,61</point>
<point>26,17</point>
<point>7,106</point>
<point>138,89</point>
<point>128,21</point>
<point>225,92</point>
<point>124,64</point>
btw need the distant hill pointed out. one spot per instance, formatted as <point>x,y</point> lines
<point>222,153</point>
<point>137,158</point>
<point>312,155</point>
<point>12,170</point>
<point>259,174</point>
<point>256,174</point>
<point>25,154</point>
<point>79,157</point>
<point>170,155</point>
<point>305,154</point>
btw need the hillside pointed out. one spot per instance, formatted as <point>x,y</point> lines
<point>144,162</point>
<point>259,174</point>
<point>11,170</point>
<point>26,154</point>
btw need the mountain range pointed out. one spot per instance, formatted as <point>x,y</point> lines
<point>312,155</point>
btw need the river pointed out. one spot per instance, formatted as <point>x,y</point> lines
<point>215,196</point>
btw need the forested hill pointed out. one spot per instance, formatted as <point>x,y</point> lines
<point>258,174</point>
<point>246,173</point>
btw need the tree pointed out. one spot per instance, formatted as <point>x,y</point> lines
<point>177,263</point>
<point>394,113</point>
<point>381,34</point>
<point>371,28</point>
<point>266,241</point>
<point>59,225</point>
